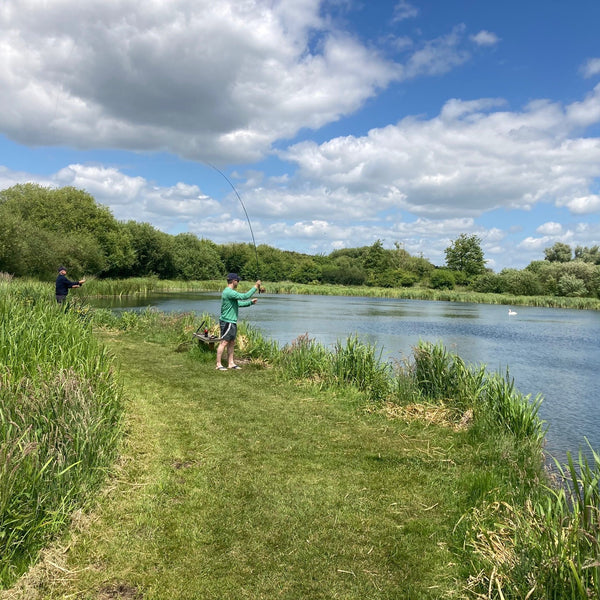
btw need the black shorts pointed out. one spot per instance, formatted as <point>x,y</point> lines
<point>228,331</point>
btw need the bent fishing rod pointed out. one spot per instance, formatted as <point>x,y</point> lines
<point>260,289</point>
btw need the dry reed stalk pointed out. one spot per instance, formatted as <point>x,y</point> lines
<point>430,414</point>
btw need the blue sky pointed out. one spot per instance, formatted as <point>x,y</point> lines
<point>339,122</point>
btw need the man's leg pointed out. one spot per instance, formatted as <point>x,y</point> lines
<point>230,349</point>
<point>220,349</point>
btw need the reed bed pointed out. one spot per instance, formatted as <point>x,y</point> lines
<point>147,285</point>
<point>60,411</point>
<point>546,549</point>
<point>141,286</point>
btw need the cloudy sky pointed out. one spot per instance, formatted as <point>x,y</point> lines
<point>338,122</point>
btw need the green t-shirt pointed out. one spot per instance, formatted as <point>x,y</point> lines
<point>231,301</point>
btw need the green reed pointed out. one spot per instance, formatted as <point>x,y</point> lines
<point>60,409</point>
<point>141,286</point>
<point>546,548</point>
<point>510,410</point>
<point>304,359</point>
<point>443,376</point>
<point>496,402</point>
<point>359,365</point>
<point>147,285</point>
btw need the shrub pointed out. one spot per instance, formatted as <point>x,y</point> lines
<point>521,283</point>
<point>442,279</point>
<point>571,286</point>
<point>488,283</point>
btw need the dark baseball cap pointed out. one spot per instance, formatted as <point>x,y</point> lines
<point>233,276</point>
<point>62,269</point>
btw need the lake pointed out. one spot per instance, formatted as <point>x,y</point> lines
<point>549,351</point>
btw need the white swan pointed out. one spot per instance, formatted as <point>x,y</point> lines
<point>511,312</point>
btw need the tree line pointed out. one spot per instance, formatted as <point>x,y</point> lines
<point>42,227</point>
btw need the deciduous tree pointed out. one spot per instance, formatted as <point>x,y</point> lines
<point>558,253</point>
<point>465,255</point>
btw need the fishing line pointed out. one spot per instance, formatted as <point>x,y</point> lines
<point>245,212</point>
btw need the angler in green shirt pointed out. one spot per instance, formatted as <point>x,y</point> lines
<point>231,300</point>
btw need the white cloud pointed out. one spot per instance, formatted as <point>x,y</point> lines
<point>103,183</point>
<point>135,198</point>
<point>469,160</point>
<point>584,205</point>
<point>206,80</point>
<point>438,56</point>
<point>485,38</point>
<point>184,207</point>
<point>550,228</point>
<point>591,67</point>
<point>587,112</point>
<point>404,10</point>
<point>8,178</point>
<point>210,81</point>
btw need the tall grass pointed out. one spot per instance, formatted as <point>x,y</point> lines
<point>304,359</point>
<point>144,285</point>
<point>496,403</point>
<point>510,410</point>
<point>359,365</point>
<point>443,376</point>
<point>546,549</point>
<point>60,409</point>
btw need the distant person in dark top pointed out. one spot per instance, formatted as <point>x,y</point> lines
<point>63,285</point>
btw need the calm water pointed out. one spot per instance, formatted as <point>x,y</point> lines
<point>554,352</point>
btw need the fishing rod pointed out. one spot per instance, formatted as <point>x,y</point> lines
<point>261,289</point>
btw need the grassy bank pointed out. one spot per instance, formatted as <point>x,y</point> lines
<point>59,420</point>
<point>321,474</point>
<point>149,285</point>
<point>247,485</point>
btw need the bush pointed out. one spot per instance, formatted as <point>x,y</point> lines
<point>571,286</point>
<point>488,283</point>
<point>521,283</point>
<point>442,279</point>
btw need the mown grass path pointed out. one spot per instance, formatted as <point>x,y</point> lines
<point>236,485</point>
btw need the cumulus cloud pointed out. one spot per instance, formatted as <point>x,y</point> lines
<point>204,79</point>
<point>211,81</point>
<point>468,160</point>
<point>591,67</point>
<point>584,205</point>
<point>135,198</point>
<point>438,56</point>
<point>550,228</point>
<point>404,10</point>
<point>485,38</point>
